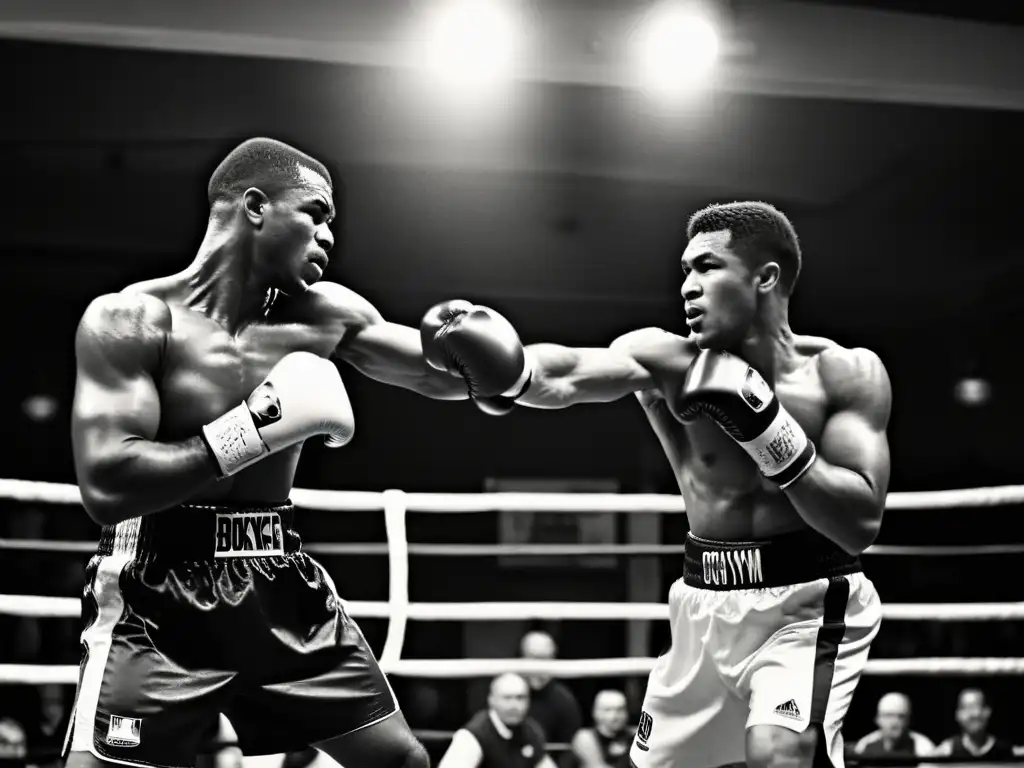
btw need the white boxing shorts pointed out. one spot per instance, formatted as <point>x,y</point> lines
<point>763,633</point>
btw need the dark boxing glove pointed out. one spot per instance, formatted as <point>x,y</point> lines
<point>727,390</point>
<point>482,347</point>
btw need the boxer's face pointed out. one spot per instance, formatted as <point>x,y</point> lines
<point>295,236</point>
<point>720,291</point>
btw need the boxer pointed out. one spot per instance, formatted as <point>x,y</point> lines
<point>778,444</point>
<point>194,395</point>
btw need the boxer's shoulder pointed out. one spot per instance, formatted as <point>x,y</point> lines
<point>126,313</point>
<point>656,349</point>
<point>334,303</point>
<point>665,355</point>
<point>122,331</point>
<point>847,374</point>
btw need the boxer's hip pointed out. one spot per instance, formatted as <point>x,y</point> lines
<point>205,532</point>
<point>744,608</point>
<point>231,571</point>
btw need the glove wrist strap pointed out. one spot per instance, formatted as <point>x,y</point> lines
<point>522,384</point>
<point>782,452</point>
<point>234,440</point>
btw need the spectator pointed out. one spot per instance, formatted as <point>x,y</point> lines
<point>45,732</point>
<point>974,740</point>
<point>606,745</point>
<point>894,736</point>
<point>12,739</point>
<point>502,735</point>
<point>552,704</point>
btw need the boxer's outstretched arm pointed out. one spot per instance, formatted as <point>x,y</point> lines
<point>122,472</point>
<point>387,352</point>
<point>842,494</point>
<point>643,359</point>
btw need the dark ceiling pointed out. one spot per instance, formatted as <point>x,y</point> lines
<point>563,193</point>
<point>990,11</point>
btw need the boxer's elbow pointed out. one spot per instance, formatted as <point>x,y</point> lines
<point>103,508</point>
<point>862,535</point>
<point>105,490</point>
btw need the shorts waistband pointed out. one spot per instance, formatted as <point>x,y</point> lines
<point>206,532</point>
<point>790,558</point>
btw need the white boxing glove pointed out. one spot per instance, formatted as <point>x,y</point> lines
<point>303,395</point>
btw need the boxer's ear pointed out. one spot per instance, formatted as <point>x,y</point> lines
<point>253,202</point>
<point>768,276</point>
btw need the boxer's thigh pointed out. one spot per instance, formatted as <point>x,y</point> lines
<point>134,705</point>
<point>387,743</point>
<point>689,719</point>
<point>802,681</point>
<point>323,680</point>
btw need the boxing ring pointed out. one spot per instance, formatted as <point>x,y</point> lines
<point>399,610</point>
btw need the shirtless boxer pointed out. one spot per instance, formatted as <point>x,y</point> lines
<point>194,393</point>
<point>772,621</point>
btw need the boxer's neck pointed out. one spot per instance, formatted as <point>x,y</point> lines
<point>222,283</point>
<point>769,345</point>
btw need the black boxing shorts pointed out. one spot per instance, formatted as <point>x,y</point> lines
<point>200,610</point>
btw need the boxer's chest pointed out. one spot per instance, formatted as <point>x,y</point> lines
<point>704,455</point>
<point>206,371</point>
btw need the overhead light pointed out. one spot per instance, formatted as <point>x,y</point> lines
<point>471,43</point>
<point>677,46</point>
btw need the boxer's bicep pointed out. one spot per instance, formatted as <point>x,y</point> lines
<point>855,436</point>
<point>117,350</point>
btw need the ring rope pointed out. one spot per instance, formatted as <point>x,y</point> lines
<point>367,501</point>
<point>534,550</point>
<point>398,581</point>
<point>399,610</point>
<point>69,607</point>
<point>566,668</point>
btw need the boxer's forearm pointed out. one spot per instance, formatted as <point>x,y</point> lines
<point>392,354</point>
<point>838,503</point>
<point>139,477</point>
<point>418,377</point>
<point>566,376</point>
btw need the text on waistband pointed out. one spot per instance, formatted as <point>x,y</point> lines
<point>733,567</point>
<point>249,535</point>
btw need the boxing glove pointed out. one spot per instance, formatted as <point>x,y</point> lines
<point>302,396</point>
<point>727,390</point>
<point>477,344</point>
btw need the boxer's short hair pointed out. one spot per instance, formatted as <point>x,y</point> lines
<point>759,232</point>
<point>267,164</point>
